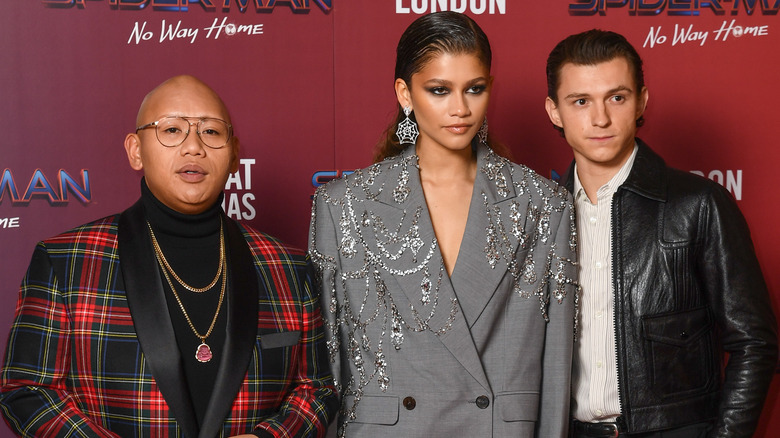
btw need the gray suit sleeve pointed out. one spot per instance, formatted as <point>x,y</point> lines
<point>557,360</point>
<point>323,250</point>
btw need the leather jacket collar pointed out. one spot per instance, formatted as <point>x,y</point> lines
<point>647,176</point>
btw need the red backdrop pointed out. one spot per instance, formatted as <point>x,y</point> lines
<point>309,86</point>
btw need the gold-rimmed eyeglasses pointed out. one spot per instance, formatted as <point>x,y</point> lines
<point>171,131</point>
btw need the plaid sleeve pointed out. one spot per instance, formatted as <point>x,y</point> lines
<point>34,394</point>
<point>312,402</point>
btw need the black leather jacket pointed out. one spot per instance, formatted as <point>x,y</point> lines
<point>687,288</point>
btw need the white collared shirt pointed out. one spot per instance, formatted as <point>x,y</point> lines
<point>594,373</point>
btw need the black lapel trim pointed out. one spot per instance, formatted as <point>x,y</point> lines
<point>146,300</point>
<point>240,339</point>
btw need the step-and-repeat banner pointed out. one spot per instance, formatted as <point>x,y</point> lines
<point>309,84</point>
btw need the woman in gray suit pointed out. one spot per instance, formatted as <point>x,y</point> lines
<point>446,271</point>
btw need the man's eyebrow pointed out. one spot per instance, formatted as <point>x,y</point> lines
<point>576,96</point>
<point>617,89</point>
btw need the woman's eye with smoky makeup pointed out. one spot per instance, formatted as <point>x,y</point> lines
<point>476,89</point>
<point>438,91</point>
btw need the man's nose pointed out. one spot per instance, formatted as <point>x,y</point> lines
<point>600,115</point>
<point>193,143</point>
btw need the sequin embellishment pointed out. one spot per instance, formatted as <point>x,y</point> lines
<point>373,321</point>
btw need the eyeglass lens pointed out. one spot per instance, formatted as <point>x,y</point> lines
<point>172,131</point>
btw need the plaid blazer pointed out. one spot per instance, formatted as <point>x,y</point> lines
<point>92,350</point>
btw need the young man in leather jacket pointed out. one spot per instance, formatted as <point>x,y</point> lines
<point>670,281</point>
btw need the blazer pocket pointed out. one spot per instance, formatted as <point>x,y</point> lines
<point>277,340</point>
<point>518,406</point>
<point>375,409</point>
<point>680,351</point>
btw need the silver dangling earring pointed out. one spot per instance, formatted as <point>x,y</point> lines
<point>482,134</point>
<point>407,130</point>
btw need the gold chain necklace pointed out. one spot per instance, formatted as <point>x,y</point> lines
<point>203,352</point>
<point>164,262</point>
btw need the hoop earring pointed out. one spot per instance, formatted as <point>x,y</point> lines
<point>407,130</point>
<point>482,134</point>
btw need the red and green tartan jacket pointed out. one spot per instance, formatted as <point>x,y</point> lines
<point>92,351</point>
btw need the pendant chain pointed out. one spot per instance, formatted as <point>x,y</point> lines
<point>203,353</point>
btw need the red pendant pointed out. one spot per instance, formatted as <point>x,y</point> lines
<point>203,353</point>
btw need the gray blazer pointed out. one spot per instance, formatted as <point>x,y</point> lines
<point>415,352</point>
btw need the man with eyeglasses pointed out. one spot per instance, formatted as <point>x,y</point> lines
<point>169,319</point>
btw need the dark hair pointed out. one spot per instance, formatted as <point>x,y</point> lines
<point>429,36</point>
<point>589,48</point>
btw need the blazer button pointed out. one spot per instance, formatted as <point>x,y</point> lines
<point>483,402</point>
<point>409,403</point>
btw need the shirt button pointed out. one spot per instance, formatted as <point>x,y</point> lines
<point>599,314</point>
<point>598,265</point>
<point>599,412</point>
<point>598,364</point>
<point>409,403</point>
<point>483,402</point>
<point>593,219</point>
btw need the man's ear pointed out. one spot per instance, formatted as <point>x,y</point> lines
<point>133,149</point>
<point>644,96</point>
<point>552,112</point>
<point>236,148</point>
<point>402,93</point>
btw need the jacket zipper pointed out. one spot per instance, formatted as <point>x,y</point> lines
<point>616,309</point>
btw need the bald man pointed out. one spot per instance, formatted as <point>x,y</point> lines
<point>169,319</point>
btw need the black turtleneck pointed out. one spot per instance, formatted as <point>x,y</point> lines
<point>190,243</point>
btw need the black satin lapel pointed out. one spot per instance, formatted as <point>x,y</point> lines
<point>146,300</point>
<point>241,329</point>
